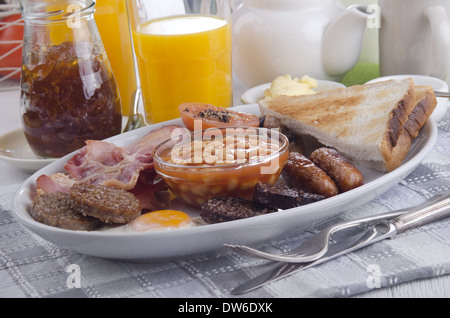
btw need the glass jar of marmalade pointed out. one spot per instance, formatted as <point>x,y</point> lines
<point>68,91</point>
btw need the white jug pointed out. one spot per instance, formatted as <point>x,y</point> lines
<point>415,37</point>
<point>319,38</point>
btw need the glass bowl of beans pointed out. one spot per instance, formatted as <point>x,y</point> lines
<point>221,162</point>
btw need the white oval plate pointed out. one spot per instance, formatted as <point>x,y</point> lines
<point>153,246</point>
<point>436,83</point>
<point>253,95</point>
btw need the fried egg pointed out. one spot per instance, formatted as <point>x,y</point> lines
<point>160,220</point>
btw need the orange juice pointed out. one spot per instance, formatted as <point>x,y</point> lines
<point>112,22</point>
<point>183,59</point>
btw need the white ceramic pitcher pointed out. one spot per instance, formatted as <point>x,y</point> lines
<point>320,38</point>
<point>415,37</point>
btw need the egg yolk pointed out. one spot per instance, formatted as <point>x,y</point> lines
<point>161,220</point>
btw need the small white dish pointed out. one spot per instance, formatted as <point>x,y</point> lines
<point>15,150</point>
<point>436,83</point>
<point>253,95</point>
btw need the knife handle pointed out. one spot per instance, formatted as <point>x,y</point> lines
<point>433,212</point>
<point>442,94</point>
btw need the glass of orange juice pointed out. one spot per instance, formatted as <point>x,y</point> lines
<point>112,23</point>
<point>183,52</point>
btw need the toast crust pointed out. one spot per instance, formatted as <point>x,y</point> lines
<point>425,104</point>
<point>399,152</point>
<point>397,118</point>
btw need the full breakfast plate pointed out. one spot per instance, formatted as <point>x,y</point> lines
<point>169,244</point>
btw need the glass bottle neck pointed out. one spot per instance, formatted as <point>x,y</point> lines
<point>56,11</point>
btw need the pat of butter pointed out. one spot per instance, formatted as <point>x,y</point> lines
<point>286,85</point>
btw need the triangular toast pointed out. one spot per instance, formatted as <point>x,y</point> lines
<point>372,124</point>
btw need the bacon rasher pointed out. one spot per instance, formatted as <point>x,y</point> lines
<point>129,167</point>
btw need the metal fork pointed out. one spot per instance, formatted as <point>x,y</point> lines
<point>312,249</point>
<point>316,246</point>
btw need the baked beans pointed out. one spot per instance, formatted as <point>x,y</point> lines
<point>222,163</point>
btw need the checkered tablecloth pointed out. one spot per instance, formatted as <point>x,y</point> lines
<point>33,267</point>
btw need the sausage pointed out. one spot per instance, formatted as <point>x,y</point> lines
<point>339,168</point>
<point>302,174</point>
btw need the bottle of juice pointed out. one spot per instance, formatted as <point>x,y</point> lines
<point>112,22</point>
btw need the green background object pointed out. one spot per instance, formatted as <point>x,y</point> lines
<point>361,73</point>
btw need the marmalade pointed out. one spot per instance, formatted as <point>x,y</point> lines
<point>69,95</point>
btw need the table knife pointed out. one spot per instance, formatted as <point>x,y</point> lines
<point>439,208</point>
<point>442,94</point>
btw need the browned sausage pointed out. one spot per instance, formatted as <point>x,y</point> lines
<point>302,174</point>
<point>338,167</point>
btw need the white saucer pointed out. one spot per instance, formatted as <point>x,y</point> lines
<point>15,150</point>
<point>436,83</point>
<point>253,95</point>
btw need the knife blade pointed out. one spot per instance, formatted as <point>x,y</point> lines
<point>438,208</point>
<point>335,250</point>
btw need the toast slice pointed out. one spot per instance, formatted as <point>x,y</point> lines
<point>370,124</point>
